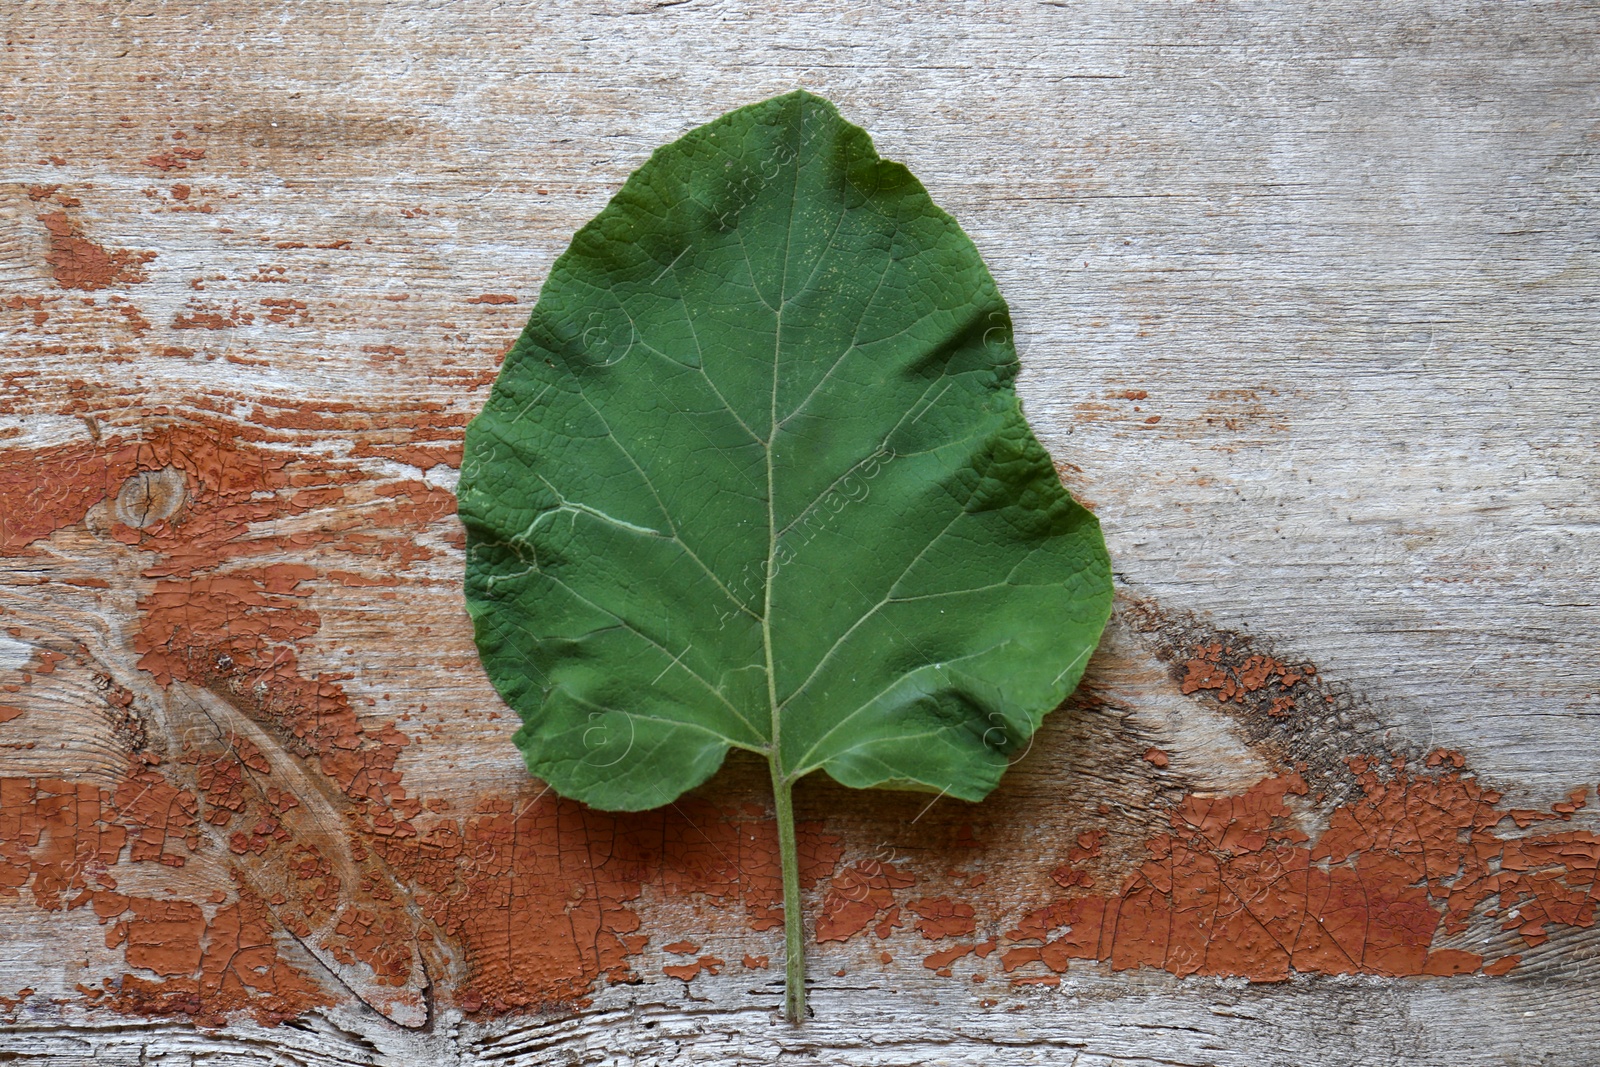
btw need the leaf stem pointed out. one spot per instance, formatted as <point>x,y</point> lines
<point>794,931</point>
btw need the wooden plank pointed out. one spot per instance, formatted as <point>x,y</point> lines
<point>1306,308</point>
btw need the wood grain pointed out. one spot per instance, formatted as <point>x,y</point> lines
<point>1306,306</point>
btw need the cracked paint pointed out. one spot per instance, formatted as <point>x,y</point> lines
<point>515,902</point>
<point>79,263</point>
<point>60,843</point>
<point>1234,889</point>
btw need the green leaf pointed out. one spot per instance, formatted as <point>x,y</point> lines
<point>756,475</point>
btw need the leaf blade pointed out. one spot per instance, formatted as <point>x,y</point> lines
<point>758,470</point>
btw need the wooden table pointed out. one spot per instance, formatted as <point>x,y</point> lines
<point>1306,303</point>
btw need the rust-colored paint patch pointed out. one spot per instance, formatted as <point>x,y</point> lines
<point>158,815</point>
<point>175,158</point>
<point>942,917</point>
<point>78,263</point>
<point>861,894</point>
<point>1502,966</point>
<point>690,971</point>
<point>540,897</point>
<point>214,620</point>
<point>198,316</point>
<point>1229,679</point>
<point>528,902</point>
<point>539,900</point>
<point>1234,889</point>
<point>189,494</point>
<point>59,842</point>
<point>236,968</point>
<point>49,489</point>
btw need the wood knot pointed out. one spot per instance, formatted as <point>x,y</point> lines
<point>147,497</point>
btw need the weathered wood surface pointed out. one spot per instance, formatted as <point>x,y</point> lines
<point>1306,304</point>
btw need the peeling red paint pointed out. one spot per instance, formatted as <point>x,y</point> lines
<point>540,900</point>
<point>1502,966</point>
<point>1234,889</point>
<point>209,969</point>
<point>213,619</point>
<point>1211,669</point>
<point>175,158</point>
<point>78,263</point>
<point>286,311</point>
<point>211,317</point>
<point>940,961</point>
<point>158,816</point>
<point>858,895</point>
<point>423,455</point>
<point>690,971</point>
<point>59,488</point>
<point>943,917</point>
<point>540,920</point>
<point>59,842</point>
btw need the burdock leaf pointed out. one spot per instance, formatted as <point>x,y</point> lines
<point>756,475</point>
